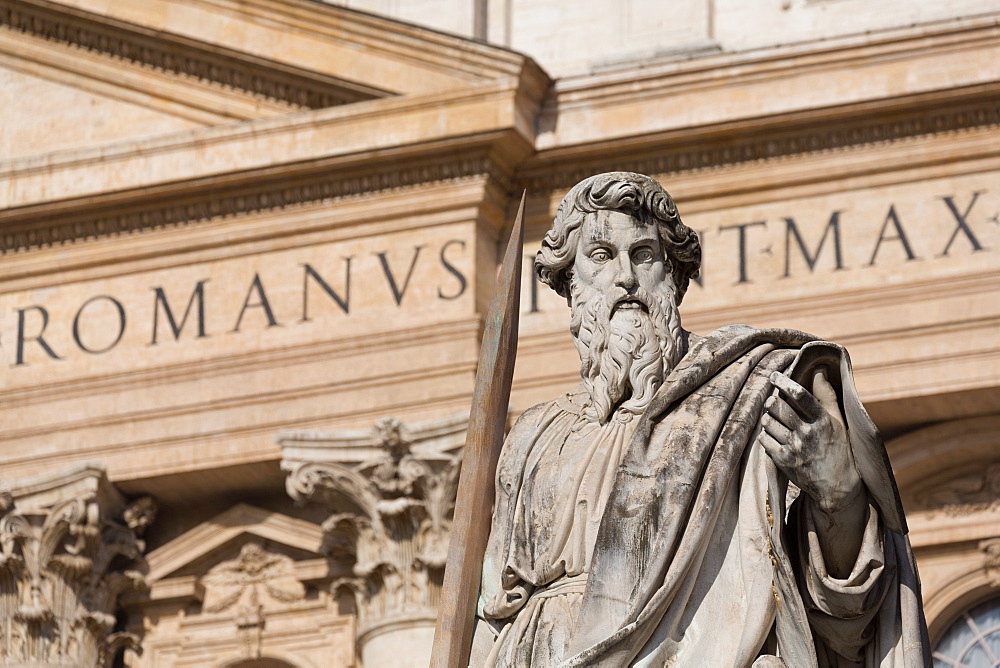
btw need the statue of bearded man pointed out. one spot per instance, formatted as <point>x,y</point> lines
<point>697,501</point>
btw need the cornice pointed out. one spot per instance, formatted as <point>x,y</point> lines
<point>767,139</point>
<point>469,58</point>
<point>925,453</point>
<point>203,103</point>
<point>189,203</point>
<point>455,375</point>
<point>819,82</point>
<point>241,518</point>
<point>195,205</point>
<point>181,56</point>
<point>335,170</point>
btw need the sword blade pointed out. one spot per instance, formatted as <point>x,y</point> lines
<point>474,502</point>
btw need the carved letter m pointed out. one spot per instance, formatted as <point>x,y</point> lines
<point>792,230</point>
<point>161,300</point>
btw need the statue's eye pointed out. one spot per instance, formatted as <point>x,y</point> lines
<point>642,255</point>
<point>600,255</point>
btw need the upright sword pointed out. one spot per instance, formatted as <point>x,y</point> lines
<point>470,527</point>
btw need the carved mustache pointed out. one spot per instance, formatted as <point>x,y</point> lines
<point>619,296</point>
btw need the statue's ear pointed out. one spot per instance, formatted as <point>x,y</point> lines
<point>565,283</point>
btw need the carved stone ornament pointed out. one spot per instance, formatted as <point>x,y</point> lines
<point>392,491</point>
<point>248,585</point>
<point>973,491</point>
<point>70,549</point>
<point>991,560</point>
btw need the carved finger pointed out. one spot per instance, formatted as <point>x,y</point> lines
<point>797,396</point>
<point>775,429</point>
<point>773,448</point>
<point>781,411</point>
<point>826,395</point>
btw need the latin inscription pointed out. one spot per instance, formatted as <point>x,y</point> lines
<point>891,243</point>
<point>183,314</point>
<point>404,280</point>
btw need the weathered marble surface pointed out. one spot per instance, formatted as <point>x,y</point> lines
<point>642,519</point>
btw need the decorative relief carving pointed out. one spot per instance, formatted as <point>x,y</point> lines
<point>393,515</point>
<point>991,560</point>
<point>974,491</point>
<point>297,88</point>
<point>67,553</point>
<point>250,584</point>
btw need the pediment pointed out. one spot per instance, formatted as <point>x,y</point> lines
<point>47,110</point>
<point>187,556</point>
<point>247,583</point>
<point>230,98</point>
<point>127,75</point>
<point>280,54</point>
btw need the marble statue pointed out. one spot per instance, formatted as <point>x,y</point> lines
<point>718,500</point>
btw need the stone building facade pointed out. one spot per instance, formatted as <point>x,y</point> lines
<point>247,247</point>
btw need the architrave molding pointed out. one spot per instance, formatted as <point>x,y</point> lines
<point>929,454</point>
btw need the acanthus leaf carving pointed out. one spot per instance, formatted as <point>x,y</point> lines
<point>392,518</point>
<point>61,566</point>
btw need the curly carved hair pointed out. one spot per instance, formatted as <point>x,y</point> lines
<point>628,192</point>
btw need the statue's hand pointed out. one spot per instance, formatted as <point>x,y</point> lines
<point>805,435</point>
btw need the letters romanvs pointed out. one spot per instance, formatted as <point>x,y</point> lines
<point>718,500</point>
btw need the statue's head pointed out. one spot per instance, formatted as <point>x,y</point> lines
<point>620,255</point>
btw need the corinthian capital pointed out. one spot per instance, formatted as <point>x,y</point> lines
<point>67,553</point>
<point>390,491</point>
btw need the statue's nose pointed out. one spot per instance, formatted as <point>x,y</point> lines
<point>625,274</point>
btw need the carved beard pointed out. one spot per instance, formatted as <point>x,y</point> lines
<point>624,350</point>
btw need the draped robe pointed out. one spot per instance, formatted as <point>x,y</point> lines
<point>667,541</point>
